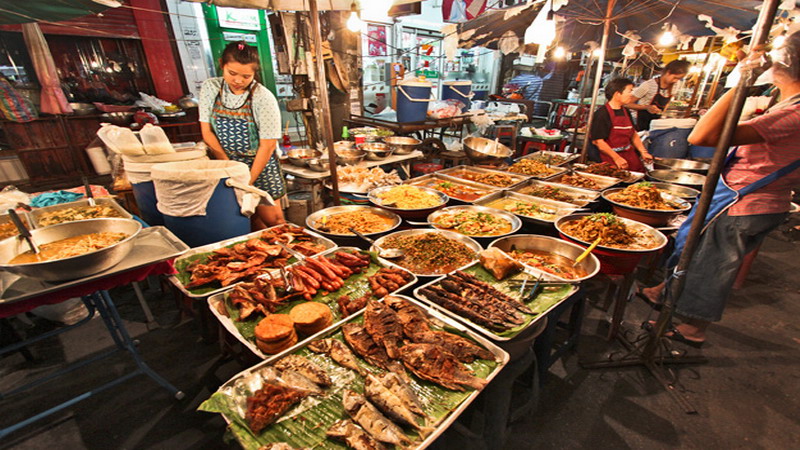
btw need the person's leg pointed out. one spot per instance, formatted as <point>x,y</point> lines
<point>270,215</point>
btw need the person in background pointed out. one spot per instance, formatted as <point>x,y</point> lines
<point>652,97</point>
<point>240,121</point>
<point>613,132</point>
<point>763,169</point>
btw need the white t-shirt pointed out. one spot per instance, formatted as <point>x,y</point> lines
<point>266,113</point>
<point>647,90</point>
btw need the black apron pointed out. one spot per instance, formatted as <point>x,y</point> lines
<point>644,117</point>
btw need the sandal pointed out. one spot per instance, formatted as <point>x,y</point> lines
<point>656,305</point>
<point>673,334</point>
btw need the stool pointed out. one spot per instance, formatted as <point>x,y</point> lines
<point>426,168</point>
<point>535,143</point>
<point>451,158</point>
<point>507,135</point>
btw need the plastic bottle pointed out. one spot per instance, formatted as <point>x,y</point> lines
<point>345,133</point>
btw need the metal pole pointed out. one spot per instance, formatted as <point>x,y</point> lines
<point>701,83</point>
<point>598,77</point>
<point>579,111</point>
<point>760,34</point>
<point>713,91</point>
<point>325,107</point>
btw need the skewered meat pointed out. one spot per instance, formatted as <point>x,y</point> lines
<point>305,367</point>
<point>353,435</point>
<point>338,351</point>
<point>269,403</point>
<point>431,362</point>
<point>376,424</point>
<point>382,323</point>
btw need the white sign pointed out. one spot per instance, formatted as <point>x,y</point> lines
<point>228,36</point>
<point>241,19</point>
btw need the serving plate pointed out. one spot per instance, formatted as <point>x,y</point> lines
<point>632,177</point>
<point>560,247</point>
<point>557,209</point>
<point>603,182</point>
<point>512,219</point>
<point>466,240</point>
<point>465,172</point>
<point>37,213</point>
<point>637,227</point>
<point>555,172</point>
<point>581,197</point>
<point>434,179</point>
<point>653,217</point>
<point>408,213</point>
<point>545,156</point>
<point>314,220</point>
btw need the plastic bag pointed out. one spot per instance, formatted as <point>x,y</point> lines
<point>155,141</point>
<point>120,140</point>
<point>443,109</point>
<point>10,196</point>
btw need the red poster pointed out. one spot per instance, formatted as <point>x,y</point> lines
<point>376,40</point>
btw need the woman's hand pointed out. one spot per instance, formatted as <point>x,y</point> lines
<point>620,162</point>
<point>647,158</point>
<point>654,109</point>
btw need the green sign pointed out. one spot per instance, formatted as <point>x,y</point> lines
<point>428,73</point>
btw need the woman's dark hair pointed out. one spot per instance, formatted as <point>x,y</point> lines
<point>617,85</point>
<point>241,53</point>
<point>677,67</point>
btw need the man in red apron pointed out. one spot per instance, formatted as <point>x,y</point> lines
<point>651,98</point>
<point>613,132</point>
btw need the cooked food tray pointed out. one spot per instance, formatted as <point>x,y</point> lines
<point>470,173</point>
<point>549,207</point>
<point>579,197</point>
<point>632,177</point>
<point>545,300</point>
<point>37,213</point>
<point>7,227</point>
<point>305,423</point>
<point>152,245</point>
<point>201,254</point>
<point>603,182</point>
<point>552,171</point>
<point>552,158</point>
<point>480,190</point>
<point>355,287</point>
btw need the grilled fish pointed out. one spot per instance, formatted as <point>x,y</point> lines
<point>382,323</point>
<point>463,349</point>
<point>338,351</point>
<point>363,345</point>
<point>353,435</point>
<point>389,403</point>
<point>376,424</point>
<point>399,387</point>
<point>471,311</point>
<point>491,290</point>
<point>269,403</point>
<point>431,362</point>
<point>305,367</point>
<point>409,315</point>
<point>297,380</point>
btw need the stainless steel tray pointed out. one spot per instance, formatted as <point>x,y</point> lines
<point>458,172</point>
<point>582,197</point>
<point>38,212</point>
<point>632,178</point>
<point>557,171</point>
<point>435,178</point>
<point>466,240</point>
<point>603,182</point>
<point>217,299</point>
<point>559,209</point>
<point>504,287</point>
<point>439,320</point>
<point>542,155</point>
<point>329,244</point>
<point>152,245</point>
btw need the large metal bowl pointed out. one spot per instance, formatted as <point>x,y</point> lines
<point>402,145</point>
<point>349,157</point>
<point>300,156</point>
<point>120,119</point>
<point>76,266</point>
<point>408,213</point>
<point>689,179</point>
<point>658,238</point>
<point>82,109</point>
<point>652,217</point>
<point>533,242</point>
<point>466,240</point>
<point>515,221</point>
<point>684,192</point>
<point>485,151</point>
<point>314,221</point>
<point>376,151</point>
<point>685,165</point>
<point>319,164</point>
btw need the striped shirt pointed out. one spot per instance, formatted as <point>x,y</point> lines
<point>781,132</point>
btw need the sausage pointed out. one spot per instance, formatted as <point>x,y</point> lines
<point>308,277</point>
<point>320,267</point>
<point>327,286</point>
<point>333,267</point>
<point>308,270</point>
<point>346,271</point>
<point>346,256</point>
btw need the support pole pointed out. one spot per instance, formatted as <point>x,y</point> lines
<point>598,77</point>
<point>325,107</point>
<point>701,80</point>
<point>581,95</point>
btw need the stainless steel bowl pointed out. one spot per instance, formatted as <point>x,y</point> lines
<point>658,238</point>
<point>344,145</point>
<point>346,157</point>
<point>685,165</point>
<point>76,266</point>
<point>376,151</point>
<point>318,164</point>
<point>82,109</point>
<point>466,240</point>
<point>300,156</point>
<point>120,119</point>
<point>485,151</point>
<point>652,217</point>
<point>684,192</point>
<point>532,242</point>
<point>314,221</point>
<point>692,180</point>
<point>408,213</point>
<point>515,221</point>
<point>402,145</point>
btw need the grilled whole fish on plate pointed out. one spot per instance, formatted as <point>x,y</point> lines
<point>364,346</point>
<point>306,368</point>
<point>376,424</point>
<point>382,323</point>
<point>433,363</point>
<point>463,349</point>
<point>338,351</point>
<point>395,407</point>
<point>353,435</point>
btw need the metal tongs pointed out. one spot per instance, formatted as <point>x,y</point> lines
<point>88,191</point>
<point>23,231</point>
<point>299,256</point>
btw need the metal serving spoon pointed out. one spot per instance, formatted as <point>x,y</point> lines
<point>387,253</point>
<point>23,230</point>
<point>88,190</point>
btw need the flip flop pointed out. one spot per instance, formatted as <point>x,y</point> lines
<point>655,305</point>
<point>673,334</point>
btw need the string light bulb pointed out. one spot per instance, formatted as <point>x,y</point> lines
<point>666,39</point>
<point>354,22</point>
<point>598,52</point>
<point>559,52</point>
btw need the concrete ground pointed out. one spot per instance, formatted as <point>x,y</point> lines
<point>748,395</point>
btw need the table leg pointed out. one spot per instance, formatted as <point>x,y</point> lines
<point>148,315</point>
<point>619,305</point>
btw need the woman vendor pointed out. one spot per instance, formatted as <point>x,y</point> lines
<point>652,97</point>
<point>752,198</point>
<point>240,121</point>
<point>612,129</point>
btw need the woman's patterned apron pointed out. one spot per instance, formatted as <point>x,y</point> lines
<point>237,133</point>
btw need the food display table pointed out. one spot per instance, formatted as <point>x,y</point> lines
<point>153,251</point>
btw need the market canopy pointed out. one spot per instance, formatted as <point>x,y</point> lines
<point>25,11</point>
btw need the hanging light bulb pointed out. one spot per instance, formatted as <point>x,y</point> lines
<point>667,38</point>
<point>559,52</point>
<point>598,52</point>
<point>354,22</point>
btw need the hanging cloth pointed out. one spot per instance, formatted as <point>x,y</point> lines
<point>53,100</point>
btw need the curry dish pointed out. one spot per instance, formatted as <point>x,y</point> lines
<point>558,265</point>
<point>644,196</point>
<point>408,197</point>
<point>77,213</point>
<point>473,223</point>
<point>430,253</point>
<point>362,221</point>
<point>67,248</point>
<point>610,229</point>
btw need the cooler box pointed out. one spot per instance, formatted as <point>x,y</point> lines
<point>458,90</point>
<point>412,101</point>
